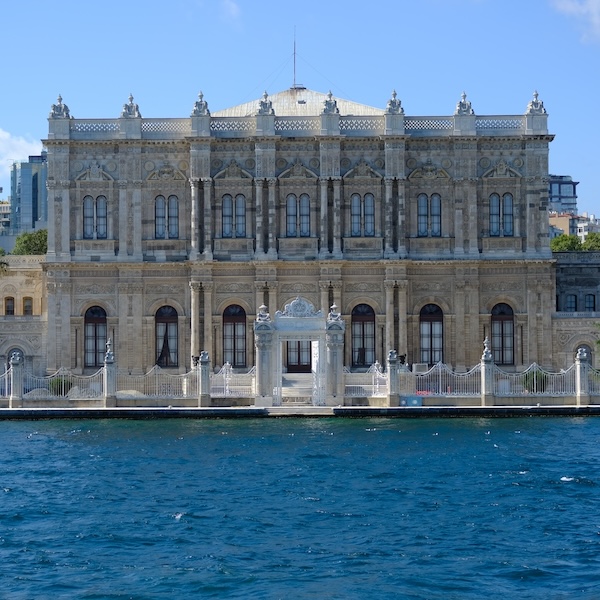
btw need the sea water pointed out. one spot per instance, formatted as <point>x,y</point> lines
<point>300,508</point>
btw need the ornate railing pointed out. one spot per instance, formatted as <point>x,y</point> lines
<point>62,384</point>
<point>535,381</point>
<point>228,383</point>
<point>441,380</point>
<point>158,384</point>
<point>370,384</point>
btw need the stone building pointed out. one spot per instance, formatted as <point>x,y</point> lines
<point>427,233</point>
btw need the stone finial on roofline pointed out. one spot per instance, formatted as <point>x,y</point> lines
<point>59,110</point>
<point>330,105</point>
<point>200,107</point>
<point>464,106</point>
<point>394,106</point>
<point>131,110</point>
<point>535,106</point>
<point>265,106</point>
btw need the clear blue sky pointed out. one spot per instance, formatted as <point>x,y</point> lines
<point>498,51</point>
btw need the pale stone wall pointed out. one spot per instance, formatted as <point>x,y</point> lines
<point>265,158</point>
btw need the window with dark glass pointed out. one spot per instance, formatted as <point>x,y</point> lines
<point>166,217</point>
<point>363,336</point>
<point>571,303</point>
<point>166,321</point>
<point>234,336</point>
<point>501,215</point>
<point>503,330</point>
<point>95,336</point>
<point>95,218</point>
<point>297,215</point>
<point>233,216</point>
<point>590,302</point>
<point>27,306</point>
<point>431,327</point>
<point>429,215</point>
<point>9,306</point>
<point>362,215</point>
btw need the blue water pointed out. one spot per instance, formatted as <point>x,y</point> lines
<point>300,508</point>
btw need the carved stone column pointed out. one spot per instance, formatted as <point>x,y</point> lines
<point>402,341</point>
<point>337,217</point>
<point>337,292</point>
<point>195,214</point>
<point>389,314</point>
<point>207,188</point>
<point>323,233</point>
<point>136,200</point>
<point>272,286</point>
<point>124,231</point>
<point>460,325</point>
<point>388,219</point>
<point>259,288</point>
<point>207,288</point>
<point>195,287</point>
<point>259,251</point>
<point>272,234</point>
<point>324,287</point>
<point>402,218</point>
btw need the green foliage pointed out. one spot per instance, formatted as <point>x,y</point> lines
<point>2,251</point>
<point>59,386</point>
<point>565,243</point>
<point>535,380</point>
<point>592,242</point>
<point>35,242</point>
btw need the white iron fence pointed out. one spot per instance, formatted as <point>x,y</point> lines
<point>62,384</point>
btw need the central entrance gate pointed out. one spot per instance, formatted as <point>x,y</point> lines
<point>310,342</point>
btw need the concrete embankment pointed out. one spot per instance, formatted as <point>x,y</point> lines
<point>32,414</point>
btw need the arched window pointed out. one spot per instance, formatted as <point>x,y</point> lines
<point>95,218</point>
<point>571,303</point>
<point>503,334</point>
<point>304,214</point>
<point>234,336</point>
<point>297,215</point>
<point>233,216</point>
<point>429,215</point>
<point>173,217</point>
<point>362,213</point>
<point>9,306</point>
<point>431,326</point>
<point>165,321</point>
<point>94,336</point>
<point>501,215</point>
<point>101,218</point>
<point>590,303</point>
<point>363,336</point>
<point>166,217</point>
<point>27,306</point>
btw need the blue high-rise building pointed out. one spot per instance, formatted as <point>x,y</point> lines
<point>29,197</point>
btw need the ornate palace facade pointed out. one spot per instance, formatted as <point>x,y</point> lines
<point>428,234</point>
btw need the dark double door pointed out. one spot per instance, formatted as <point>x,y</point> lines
<point>299,356</point>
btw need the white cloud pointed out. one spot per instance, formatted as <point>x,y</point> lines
<point>231,11</point>
<point>587,12</point>
<point>14,148</point>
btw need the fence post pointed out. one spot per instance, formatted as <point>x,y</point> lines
<point>109,377</point>
<point>487,375</point>
<point>204,397</point>
<point>393,387</point>
<point>16,381</point>
<point>582,389</point>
